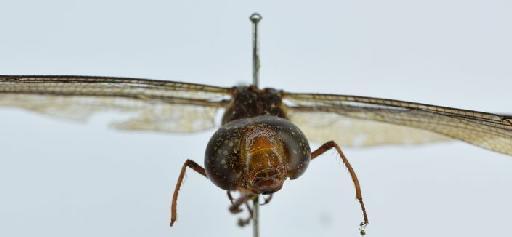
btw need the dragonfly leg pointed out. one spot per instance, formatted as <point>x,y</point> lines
<point>331,144</point>
<point>235,208</point>
<point>245,221</point>
<point>235,205</point>
<point>230,196</point>
<point>267,199</point>
<point>194,166</point>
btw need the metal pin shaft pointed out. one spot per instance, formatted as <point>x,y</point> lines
<point>256,215</point>
<point>255,19</point>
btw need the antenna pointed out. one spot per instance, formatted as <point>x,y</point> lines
<point>255,19</point>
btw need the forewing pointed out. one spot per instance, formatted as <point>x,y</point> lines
<point>320,127</point>
<point>487,130</point>
<point>149,105</point>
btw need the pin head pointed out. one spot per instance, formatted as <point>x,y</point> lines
<point>255,18</point>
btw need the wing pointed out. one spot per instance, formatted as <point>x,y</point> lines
<point>320,127</point>
<point>414,122</point>
<point>150,105</point>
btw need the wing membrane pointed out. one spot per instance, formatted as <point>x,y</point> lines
<point>320,127</point>
<point>152,105</point>
<point>487,130</point>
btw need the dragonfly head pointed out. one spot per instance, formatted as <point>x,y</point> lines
<point>256,154</point>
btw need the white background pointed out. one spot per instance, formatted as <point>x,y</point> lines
<point>59,178</point>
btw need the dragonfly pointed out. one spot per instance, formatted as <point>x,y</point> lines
<point>264,134</point>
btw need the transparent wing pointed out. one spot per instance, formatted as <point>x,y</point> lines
<point>149,105</point>
<point>320,127</point>
<point>487,130</point>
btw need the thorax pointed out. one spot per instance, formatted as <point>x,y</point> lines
<point>248,102</point>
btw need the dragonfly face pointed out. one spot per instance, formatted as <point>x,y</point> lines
<point>256,155</point>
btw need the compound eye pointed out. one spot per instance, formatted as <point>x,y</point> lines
<point>222,160</point>
<point>298,151</point>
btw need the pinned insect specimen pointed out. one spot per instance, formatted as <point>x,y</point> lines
<point>264,133</point>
